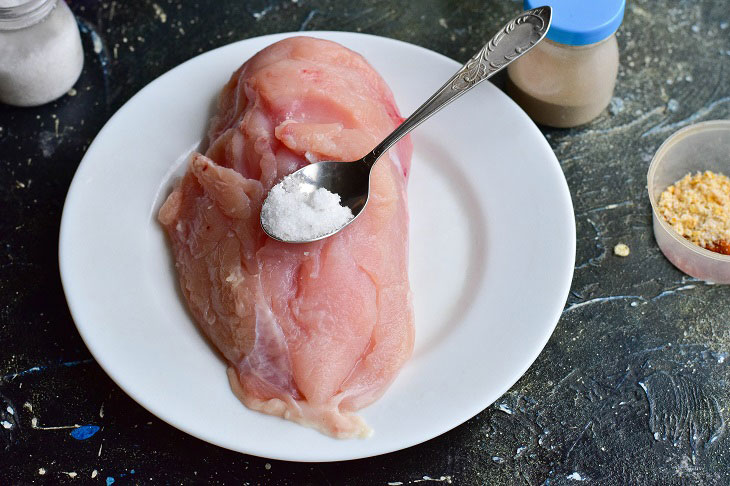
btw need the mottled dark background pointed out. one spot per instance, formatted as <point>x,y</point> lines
<point>631,389</point>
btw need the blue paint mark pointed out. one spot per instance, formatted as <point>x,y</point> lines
<point>34,369</point>
<point>70,364</point>
<point>37,369</point>
<point>109,481</point>
<point>84,432</point>
<point>131,471</point>
<point>309,18</point>
<point>100,50</point>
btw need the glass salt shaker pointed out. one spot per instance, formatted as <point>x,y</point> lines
<point>568,79</point>
<point>40,51</point>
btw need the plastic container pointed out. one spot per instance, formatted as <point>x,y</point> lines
<point>568,79</point>
<point>40,51</point>
<point>700,147</point>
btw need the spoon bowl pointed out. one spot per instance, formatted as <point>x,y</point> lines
<point>351,180</point>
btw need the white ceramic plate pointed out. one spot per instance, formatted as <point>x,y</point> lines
<point>492,254</point>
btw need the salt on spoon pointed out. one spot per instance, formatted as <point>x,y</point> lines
<point>296,215</point>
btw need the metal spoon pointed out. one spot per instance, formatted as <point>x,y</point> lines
<point>351,180</point>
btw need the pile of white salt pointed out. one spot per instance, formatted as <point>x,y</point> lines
<point>294,215</point>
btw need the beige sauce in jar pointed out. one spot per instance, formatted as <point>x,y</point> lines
<point>568,79</point>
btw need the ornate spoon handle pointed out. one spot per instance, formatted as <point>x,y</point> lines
<point>520,35</point>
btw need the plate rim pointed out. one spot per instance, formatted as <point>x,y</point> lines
<point>74,306</point>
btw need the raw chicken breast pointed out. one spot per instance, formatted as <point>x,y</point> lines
<point>312,332</point>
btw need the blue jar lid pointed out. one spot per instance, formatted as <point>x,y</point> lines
<point>581,22</point>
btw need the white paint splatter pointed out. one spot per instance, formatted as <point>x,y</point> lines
<point>673,105</point>
<point>673,291</point>
<point>616,106</point>
<point>395,483</point>
<point>34,424</point>
<point>28,406</point>
<point>442,479</point>
<point>504,408</point>
<point>601,299</point>
<point>662,128</point>
<point>260,15</point>
<point>10,410</point>
<point>96,42</point>
<point>498,459</point>
<point>6,424</point>
<point>41,471</point>
<point>71,474</point>
<point>267,466</point>
<point>442,23</point>
<point>576,477</point>
<point>159,13</point>
<point>94,473</point>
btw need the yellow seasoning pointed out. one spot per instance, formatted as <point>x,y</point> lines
<point>622,250</point>
<point>697,207</point>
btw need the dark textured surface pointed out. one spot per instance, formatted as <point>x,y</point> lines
<point>631,389</point>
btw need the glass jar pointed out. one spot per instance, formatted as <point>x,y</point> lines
<point>568,79</point>
<point>40,51</point>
